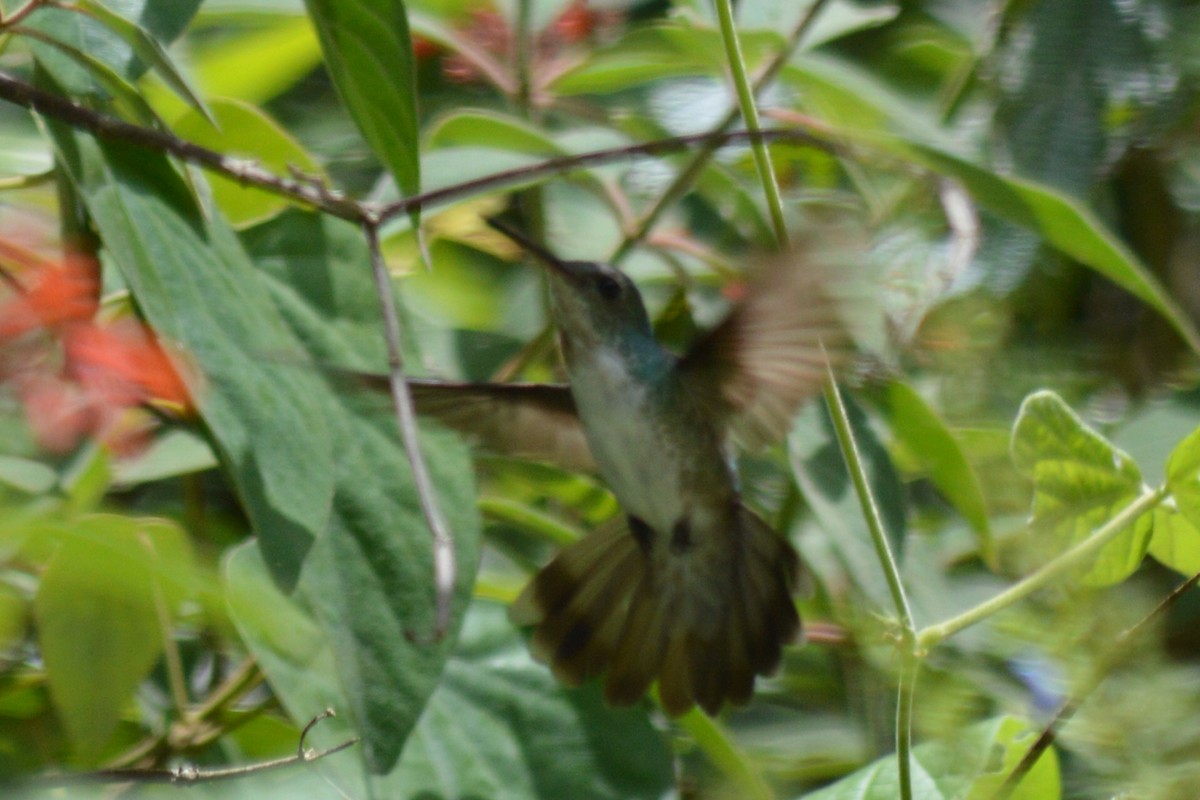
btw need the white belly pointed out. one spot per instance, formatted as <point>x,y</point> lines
<point>635,458</point>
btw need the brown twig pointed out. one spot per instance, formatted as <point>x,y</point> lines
<point>188,774</point>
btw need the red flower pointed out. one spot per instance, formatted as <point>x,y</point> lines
<point>77,376</point>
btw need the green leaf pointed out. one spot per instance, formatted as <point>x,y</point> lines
<point>161,21</point>
<point>926,436</point>
<point>653,53</point>
<point>369,55</point>
<point>126,98</point>
<point>1183,476</point>
<point>176,452</point>
<point>240,130</point>
<point>232,66</point>
<point>490,129</point>
<point>370,580</point>
<point>86,480</point>
<point>825,483</point>
<point>971,767</point>
<point>97,610</point>
<point>499,726</point>
<point>1176,540</point>
<point>197,287</point>
<point>31,477</point>
<point>147,49</point>
<point>1080,481</point>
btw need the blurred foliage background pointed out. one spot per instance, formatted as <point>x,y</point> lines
<point>209,532</point>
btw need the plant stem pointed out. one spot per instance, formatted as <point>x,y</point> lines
<point>908,652</point>
<point>862,487</point>
<point>745,93</point>
<point>1046,574</point>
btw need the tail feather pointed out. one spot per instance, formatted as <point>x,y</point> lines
<point>703,628</point>
<point>642,647</point>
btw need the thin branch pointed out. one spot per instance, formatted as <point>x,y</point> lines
<point>1072,704</point>
<point>106,127</point>
<point>320,196</point>
<point>444,567</point>
<point>188,774</point>
<point>597,158</point>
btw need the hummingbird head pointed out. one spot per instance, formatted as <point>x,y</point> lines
<point>592,302</point>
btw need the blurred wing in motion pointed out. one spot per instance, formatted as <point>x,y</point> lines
<point>769,354</point>
<point>537,421</point>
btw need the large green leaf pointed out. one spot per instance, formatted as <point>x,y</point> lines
<point>195,284</point>
<point>971,767</point>
<point>368,52</point>
<point>1080,481</point>
<point>370,579</point>
<point>498,726</point>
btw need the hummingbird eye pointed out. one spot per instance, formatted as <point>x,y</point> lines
<point>608,287</point>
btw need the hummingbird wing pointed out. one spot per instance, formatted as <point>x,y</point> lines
<point>769,354</point>
<point>537,421</point>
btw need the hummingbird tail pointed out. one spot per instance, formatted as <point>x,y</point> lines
<point>578,603</point>
<point>604,604</point>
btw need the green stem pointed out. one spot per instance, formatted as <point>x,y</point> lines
<point>745,94</point>
<point>1047,574</point>
<point>891,570</point>
<point>858,474</point>
<point>906,695</point>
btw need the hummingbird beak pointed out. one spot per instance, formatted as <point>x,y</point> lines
<point>567,269</point>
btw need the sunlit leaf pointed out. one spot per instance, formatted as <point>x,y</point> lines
<point>1175,541</point>
<point>1080,481</point>
<point>240,130</point>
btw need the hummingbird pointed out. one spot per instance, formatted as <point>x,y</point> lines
<point>691,589</point>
